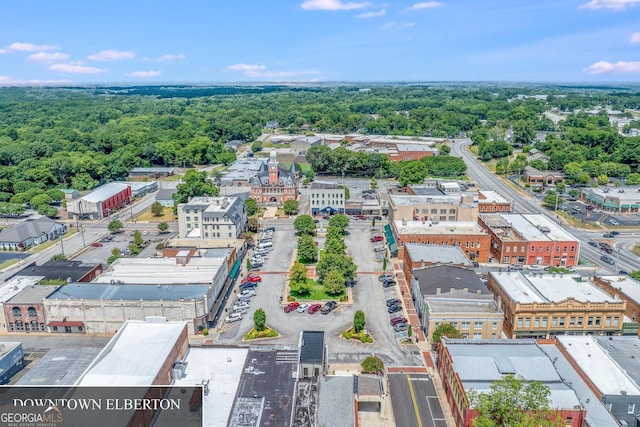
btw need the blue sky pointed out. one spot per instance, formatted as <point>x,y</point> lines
<point>44,41</point>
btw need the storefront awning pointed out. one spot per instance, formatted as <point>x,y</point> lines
<point>391,241</point>
<point>60,323</point>
<point>234,270</point>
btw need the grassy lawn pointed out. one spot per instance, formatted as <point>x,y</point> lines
<point>318,294</point>
<point>167,215</point>
<point>176,177</point>
<point>255,335</point>
<point>635,250</point>
<point>305,167</point>
<point>8,263</point>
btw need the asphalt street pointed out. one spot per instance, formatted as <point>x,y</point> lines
<point>415,402</point>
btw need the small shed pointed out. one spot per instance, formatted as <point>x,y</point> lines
<point>312,359</point>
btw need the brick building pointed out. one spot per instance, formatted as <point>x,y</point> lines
<point>492,202</point>
<point>538,178</point>
<point>411,152</point>
<point>627,289</point>
<point>273,184</point>
<point>547,305</point>
<point>417,255</point>
<point>530,239</point>
<point>467,235</point>
<point>475,364</point>
<point>101,202</point>
<point>25,311</point>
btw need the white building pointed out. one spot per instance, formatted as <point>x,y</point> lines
<point>326,198</point>
<point>212,218</point>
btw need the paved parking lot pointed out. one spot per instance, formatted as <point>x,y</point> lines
<point>579,211</point>
<point>415,402</point>
<point>369,296</point>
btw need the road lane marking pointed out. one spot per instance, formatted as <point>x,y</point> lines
<point>415,403</point>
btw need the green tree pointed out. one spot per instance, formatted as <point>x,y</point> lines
<point>412,172</point>
<point>445,330</point>
<point>194,184</point>
<point>259,320</point>
<point>137,239</point>
<point>40,199</point>
<point>334,283</point>
<point>163,227</point>
<point>502,166</point>
<point>444,150</point>
<point>514,401</point>
<point>59,257</point>
<point>633,179</point>
<point>339,221</point>
<point>340,263</point>
<point>602,179</point>
<point>47,210</point>
<point>252,206</point>
<point>334,233</point>
<point>574,193</point>
<point>372,365</point>
<point>523,132</point>
<point>304,224</point>
<point>561,187</point>
<point>307,249</point>
<point>115,226</point>
<point>157,209</point>
<point>55,194</point>
<point>635,275</point>
<point>298,281</point>
<point>335,246</point>
<point>253,224</point>
<point>374,183</point>
<point>551,198</point>
<point>290,207</point>
<point>256,146</point>
<point>358,321</point>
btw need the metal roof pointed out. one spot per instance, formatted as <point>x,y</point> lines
<point>77,291</point>
<point>311,346</point>
<point>441,254</point>
<point>104,192</point>
<point>447,277</point>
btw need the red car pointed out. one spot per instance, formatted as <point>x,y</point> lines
<point>254,278</point>
<point>376,239</point>
<point>394,321</point>
<point>96,244</point>
<point>292,306</point>
<point>314,307</point>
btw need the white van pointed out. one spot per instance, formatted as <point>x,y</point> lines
<point>266,245</point>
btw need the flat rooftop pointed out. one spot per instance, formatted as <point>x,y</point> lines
<point>426,190</point>
<point>320,184</point>
<point>222,368</point>
<point>594,360</point>
<point>60,367</point>
<point>416,147</point>
<point>437,254</point>
<point>481,362</point>
<point>454,305</point>
<point>135,355</point>
<point>624,350</point>
<point>627,285</point>
<point>265,394</point>
<point>210,204</point>
<point>199,270</point>
<point>530,226</point>
<point>335,403</point>
<point>96,291</point>
<point>549,288</point>
<point>75,270</point>
<point>491,197</point>
<point>630,195</point>
<point>16,284</point>
<point>439,228</point>
<point>410,200</point>
<point>33,294</point>
<point>7,346</point>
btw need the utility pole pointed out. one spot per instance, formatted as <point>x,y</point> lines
<point>556,201</point>
<point>62,243</point>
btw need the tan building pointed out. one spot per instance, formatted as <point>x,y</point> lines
<point>467,235</point>
<point>456,295</point>
<point>273,184</point>
<point>212,218</point>
<point>627,289</point>
<point>492,202</point>
<point>541,178</point>
<point>546,305</point>
<point>443,207</point>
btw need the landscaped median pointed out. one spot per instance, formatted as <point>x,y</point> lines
<point>358,331</point>
<point>260,329</point>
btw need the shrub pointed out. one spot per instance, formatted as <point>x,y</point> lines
<point>347,335</point>
<point>290,298</point>
<point>205,332</point>
<point>344,298</point>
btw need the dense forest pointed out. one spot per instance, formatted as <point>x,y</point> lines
<point>80,137</point>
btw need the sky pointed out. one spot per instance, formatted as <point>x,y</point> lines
<point>218,41</point>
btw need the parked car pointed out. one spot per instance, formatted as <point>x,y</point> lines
<point>623,272</point>
<point>291,307</point>
<point>239,309</point>
<point>592,243</point>
<point>393,301</point>
<point>608,259</point>
<point>96,244</point>
<point>251,277</point>
<point>329,307</point>
<point>395,320</point>
<point>399,327</point>
<point>394,309</point>
<point>534,267</point>
<point>256,265</point>
<point>517,267</point>
<point>302,308</point>
<point>386,276</point>
<point>233,317</point>
<point>590,208</point>
<point>313,308</point>
<point>613,221</point>
<point>376,239</point>
<point>244,299</point>
<point>388,283</point>
<point>248,293</point>
<point>246,286</point>
<point>380,248</point>
<point>614,233</point>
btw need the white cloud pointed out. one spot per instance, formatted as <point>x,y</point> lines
<point>425,5</point>
<point>245,67</point>
<point>5,79</point>
<point>47,57</point>
<point>381,12</point>
<point>397,25</point>
<point>617,5</point>
<point>112,55</point>
<point>603,67</point>
<point>27,47</point>
<point>635,38</point>
<point>75,69</point>
<point>166,58</point>
<point>333,5</point>
<point>144,74</point>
